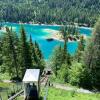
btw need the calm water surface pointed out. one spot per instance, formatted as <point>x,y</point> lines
<point>38,34</point>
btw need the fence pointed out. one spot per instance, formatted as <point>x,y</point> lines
<point>11,91</point>
<point>17,94</point>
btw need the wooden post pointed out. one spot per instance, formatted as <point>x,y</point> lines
<point>25,93</point>
<point>0,97</point>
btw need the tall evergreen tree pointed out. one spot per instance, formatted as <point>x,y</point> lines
<point>32,51</point>
<point>92,57</point>
<point>31,47</point>
<point>38,57</point>
<point>13,52</point>
<point>1,44</point>
<point>82,43</point>
<point>25,55</point>
<point>65,32</point>
<point>57,60</point>
<point>9,53</point>
<point>80,49</point>
<point>38,51</point>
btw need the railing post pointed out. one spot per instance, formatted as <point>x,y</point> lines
<point>45,97</point>
<point>0,97</point>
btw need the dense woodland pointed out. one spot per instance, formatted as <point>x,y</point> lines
<point>50,11</point>
<point>17,54</point>
<point>82,69</point>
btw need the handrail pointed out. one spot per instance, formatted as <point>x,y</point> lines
<point>47,86</point>
<point>17,94</point>
<point>45,97</point>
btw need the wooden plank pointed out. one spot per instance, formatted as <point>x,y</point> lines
<point>17,94</point>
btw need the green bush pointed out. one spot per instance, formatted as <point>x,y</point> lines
<point>63,73</point>
<point>75,73</point>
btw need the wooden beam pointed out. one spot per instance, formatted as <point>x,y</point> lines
<point>17,94</point>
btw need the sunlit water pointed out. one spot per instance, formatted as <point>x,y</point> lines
<point>38,34</point>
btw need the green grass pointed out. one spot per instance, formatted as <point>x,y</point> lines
<point>58,94</point>
<point>4,92</point>
<point>53,94</point>
<point>54,79</point>
<point>20,98</point>
<point>8,88</point>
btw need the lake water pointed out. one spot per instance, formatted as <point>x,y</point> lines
<point>38,34</point>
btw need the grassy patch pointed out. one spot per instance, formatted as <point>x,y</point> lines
<point>7,88</point>
<point>58,94</point>
<point>20,98</point>
<point>54,79</point>
<point>53,94</point>
<point>5,85</point>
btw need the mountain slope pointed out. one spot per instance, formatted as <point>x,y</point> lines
<point>56,11</point>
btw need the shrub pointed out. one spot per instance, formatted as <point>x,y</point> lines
<point>63,73</point>
<point>75,73</point>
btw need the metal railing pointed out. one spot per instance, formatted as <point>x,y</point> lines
<point>46,89</point>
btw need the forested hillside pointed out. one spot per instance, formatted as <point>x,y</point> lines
<point>73,64</point>
<point>50,11</point>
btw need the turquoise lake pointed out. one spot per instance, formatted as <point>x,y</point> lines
<point>38,34</point>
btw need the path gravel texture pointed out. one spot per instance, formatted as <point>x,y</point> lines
<point>61,86</point>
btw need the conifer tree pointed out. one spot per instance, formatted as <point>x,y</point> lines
<point>92,58</point>
<point>57,59</point>
<point>12,47</point>
<point>25,55</point>
<point>32,50</point>
<point>38,51</point>
<point>82,43</point>
<point>80,49</point>
<point>38,57</point>
<point>1,61</point>
<point>10,54</point>
<point>65,32</point>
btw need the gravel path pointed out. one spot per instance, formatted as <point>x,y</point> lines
<point>61,86</point>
